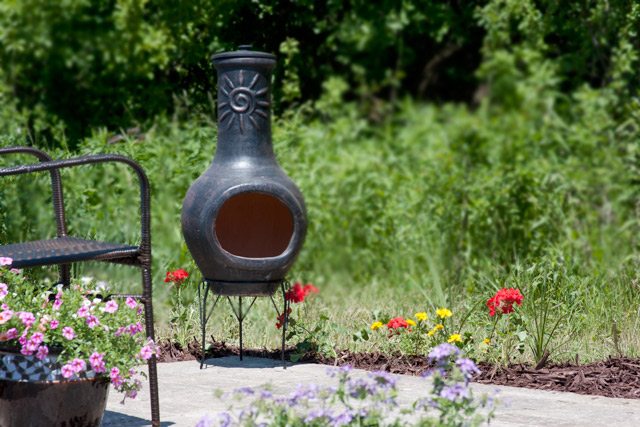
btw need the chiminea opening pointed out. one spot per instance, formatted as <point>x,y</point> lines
<point>254,225</point>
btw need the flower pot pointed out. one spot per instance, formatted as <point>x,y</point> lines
<point>34,393</point>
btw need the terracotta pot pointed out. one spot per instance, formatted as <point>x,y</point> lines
<point>34,393</point>
<point>244,220</point>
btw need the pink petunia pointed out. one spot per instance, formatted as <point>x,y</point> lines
<point>5,316</point>
<point>54,324</point>
<point>43,351</point>
<point>146,352</point>
<point>4,290</point>
<point>37,337</point>
<point>56,304</point>
<point>67,371</point>
<point>111,307</point>
<point>131,303</point>
<point>5,261</point>
<point>67,332</point>
<point>78,365</point>
<point>83,311</point>
<point>92,321</point>
<point>28,319</point>
<point>12,333</point>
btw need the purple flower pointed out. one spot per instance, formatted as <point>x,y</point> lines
<point>453,391</point>
<point>5,261</point>
<point>344,369</point>
<point>467,366</point>
<point>224,418</point>
<point>67,332</point>
<point>318,413</point>
<point>385,379</point>
<point>54,324</point>
<point>43,351</point>
<point>67,371</point>
<point>131,303</point>
<point>111,307</point>
<point>443,351</point>
<point>344,418</point>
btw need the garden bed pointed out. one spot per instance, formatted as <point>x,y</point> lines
<point>617,377</point>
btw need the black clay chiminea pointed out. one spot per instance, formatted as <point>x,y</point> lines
<point>244,220</point>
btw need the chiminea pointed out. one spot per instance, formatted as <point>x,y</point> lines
<point>244,220</point>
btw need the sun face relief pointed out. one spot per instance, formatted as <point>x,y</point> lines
<point>243,101</point>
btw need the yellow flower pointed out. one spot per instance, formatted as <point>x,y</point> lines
<point>411,322</point>
<point>421,316</point>
<point>438,326</point>
<point>376,325</point>
<point>431,332</point>
<point>455,337</point>
<point>443,312</point>
<point>486,341</point>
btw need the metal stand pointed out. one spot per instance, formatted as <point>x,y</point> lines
<point>221,289</point>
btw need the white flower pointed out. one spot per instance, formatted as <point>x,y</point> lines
<point>86,280</point>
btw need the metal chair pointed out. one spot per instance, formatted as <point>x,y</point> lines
<point>65,250</point>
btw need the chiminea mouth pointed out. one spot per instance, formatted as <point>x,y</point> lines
<point>254,225</point>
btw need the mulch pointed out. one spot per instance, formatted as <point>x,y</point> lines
<point>615,377</point>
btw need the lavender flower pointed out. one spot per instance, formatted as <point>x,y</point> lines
<point>443,351</point>
<point>454,391</point>
<point>318,413</point>
<point>467,366</point>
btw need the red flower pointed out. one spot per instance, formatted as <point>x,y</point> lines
<point>298,293</point>
<point>281,319</point>
<point>397,322</point>
<point>176,276</point>
<point>503,300</point>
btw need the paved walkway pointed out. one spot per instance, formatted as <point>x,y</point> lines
<point>187,395</point>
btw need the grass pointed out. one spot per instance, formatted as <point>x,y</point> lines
<point>433,207</point>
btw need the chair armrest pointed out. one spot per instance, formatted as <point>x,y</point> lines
<point>56,184</point>
<point>145,204</point>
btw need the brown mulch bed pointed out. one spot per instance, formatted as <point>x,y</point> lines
<point>615,377</point>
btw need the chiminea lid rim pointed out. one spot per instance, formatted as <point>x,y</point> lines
<point>243,54</point>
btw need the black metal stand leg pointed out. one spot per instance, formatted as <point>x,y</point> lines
<point>240,319</point>
<point>204,317</point>
<point>285,287</point>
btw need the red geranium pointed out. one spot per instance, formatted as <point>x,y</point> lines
<point>176,276</point>
<point>280,320</point>
<point>503,300</point>
<point>298,293</point>
<point>397,322</point>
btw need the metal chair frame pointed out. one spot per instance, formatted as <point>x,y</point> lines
<point>65,250</point>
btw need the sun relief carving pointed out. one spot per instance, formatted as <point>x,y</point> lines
<point>243,102</point>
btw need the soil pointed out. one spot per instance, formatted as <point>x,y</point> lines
<point>615,377</point>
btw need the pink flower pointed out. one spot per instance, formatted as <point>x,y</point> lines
<point>43,351</point>
<point>15,270</point>
<point>54,324</point>
<point>28,319</point>
<point>111,307</point>
<point>67,371</point>
<point>22,340</point>
<point>131,303</point>
<point>119,332</point>
<point>5,261</point>
<point>78,365</point>
<point>97,362</point>
<point>67,332</point>
<point>92,321</point>
<point>146,352</point>
<point>83,311</point>
<point>37,337</point>
<point>131,394</point>
<point>4,290</point>
<point>57,303</point>
<point>12,333</point>
<point>116,379</point>
<point>4,307</point>
<point>5,316</point>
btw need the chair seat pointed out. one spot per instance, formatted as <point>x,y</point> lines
<point>65,250</point>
